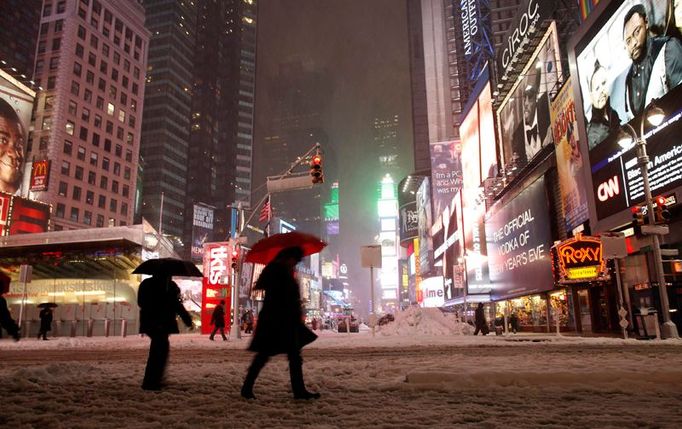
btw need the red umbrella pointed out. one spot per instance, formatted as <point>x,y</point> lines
<point>266,249</point>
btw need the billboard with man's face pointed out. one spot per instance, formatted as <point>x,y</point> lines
<point>523,117</point>
<point>16,105</point>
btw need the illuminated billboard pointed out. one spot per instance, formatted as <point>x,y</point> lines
<point>16,106</point>
<point>523,116</point>
<point>627,58</point>
<point>424,227</point>
<point>569,158</point>
<point>519,241</point>
<point>446,173</point>
<point>202,229</point>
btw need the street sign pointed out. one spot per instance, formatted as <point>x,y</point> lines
<point>282,184</point>
<point>655,229</point>
<point>370,256</point>
<point>622,312</point>
<point>623,323</point>
<point>614,245</point>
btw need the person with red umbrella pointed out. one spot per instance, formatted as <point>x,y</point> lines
<point>280,327</point>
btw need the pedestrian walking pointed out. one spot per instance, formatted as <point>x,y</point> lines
<point>280,323</point>
<point>46,316</point>
<point>218,320</point>
<point>479,319</point>
<point>159,301</point>
<point>247,321</point>
<point>514,322</point>
<point>6,320</point>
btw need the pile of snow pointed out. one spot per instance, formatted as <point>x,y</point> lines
<point>425,321</point>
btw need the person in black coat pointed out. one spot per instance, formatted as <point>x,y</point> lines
<point>481,323</point>
<point>159,300</point>
<point>6,320</point>
<point>218,320</point>
<point>280,327</point>
<point>45,322</point>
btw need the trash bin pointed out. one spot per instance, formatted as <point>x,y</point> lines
<point>647,323</point>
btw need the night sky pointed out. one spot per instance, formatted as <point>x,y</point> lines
<point>362,46</point>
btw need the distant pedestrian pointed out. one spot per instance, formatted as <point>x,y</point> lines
<point>247,321</point>
<point>6,320</point>
<point>280,323</point>
<point>218,320</point>
<point>159,300</point>
<point>479,318</point>
<point>514,322</point>
<point>45,322</point>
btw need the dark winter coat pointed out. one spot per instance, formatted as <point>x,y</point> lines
<point>218,317</point>
<point>6,320</point>
<point>45,320</point>
<point>280,327</point>
<point>480,317</point>
<point>160,304</point>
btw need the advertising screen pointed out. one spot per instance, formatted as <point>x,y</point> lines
<point>424,227</point>
<point>216,282</point>
<point>524,121</point>
<point>569,159</point>
<point>519,241</point>
<point>16,105</point>
<point>630,56</point>
<point>446,173</point>
<point>616,177</point>
<point>27,216</point>
<point>202,229</point>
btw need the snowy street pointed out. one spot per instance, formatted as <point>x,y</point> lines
<point>380,382</point>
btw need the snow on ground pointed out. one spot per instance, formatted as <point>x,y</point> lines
<point>418,377</point>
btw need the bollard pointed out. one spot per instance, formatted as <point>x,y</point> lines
<point>89,328</point>
<point>73,328</point>
<point>107,323</point>
<point>124,328</point>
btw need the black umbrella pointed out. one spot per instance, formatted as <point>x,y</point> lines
<point>47,305</point>
<point>168,266</point>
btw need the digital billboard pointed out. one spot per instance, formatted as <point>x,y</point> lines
<point>202,229</point>
<point>630,56</point>
<point>519,241</point>
<point>27,216</point>
<point>16,105</point>
<point>569,158</point>
<point>523,117</point>
<point>424,227</point>
<point>446,173</point>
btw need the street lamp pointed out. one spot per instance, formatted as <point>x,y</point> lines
<point>655,116</point>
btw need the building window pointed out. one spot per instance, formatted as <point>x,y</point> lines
<point>121,116</point>
<point>47,123</point>
<point>51,82</point>
<point>87,95</point>
<point>79,173</point>
<point>90,77</point>
<point>76,193</point>
<point>114,186</point>
<point>100,103</point>
<point>119,150</point>
<point>56,43</point>
<point>69,127</point>
<point>124,209</point>
<point>100,221</point>
<point>85,114</point>
<point>66,168</point>
<point>60,210</point>
<point>93,158</point>
<point>74,214</point>
<point>73,107</point>
<point>110,109</point>
<point>103,182</point>
<point>102,202</point>
<point>113,205</point>
<point>87,217</point>
<point>110,127</point>
<point>105,163</point>
<point>77,69</point>
<point>58,26</point>
<point>68,147</point>
<point>81,32</point>
<point>75,88</point>
<point>41,47</point>
<point>107,145</point>
<point>94,41</point>
<point>95,139</point>
<point>81,153</point>
<point>92,178</point>
<point>117,169</point>
<point>80,51</point>
<point>90,197</point>
<point>92,59</point>
<point>54,63</point>
<point>63,188</point>
<point>98,121</point>
<point>126,173</point>
<point>47,10</point>
<point>129,155</point>
<point>83,134</point>
<point>125,190</point>
<point>49,102</point>
<point>61,6</point>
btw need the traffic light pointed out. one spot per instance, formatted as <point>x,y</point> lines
<point>662,212</point>
<point>637,218</point>
<point>235,257</point>
<point>316,169</point>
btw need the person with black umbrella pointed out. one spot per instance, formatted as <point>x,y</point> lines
<point>280,327</point>
<point>159,300</point>
<point>45,321</point>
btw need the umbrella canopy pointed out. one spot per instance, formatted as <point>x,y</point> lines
<point>47,305</point>
<point>266,249</point>
<point>168,266</point>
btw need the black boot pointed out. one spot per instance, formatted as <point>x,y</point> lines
<point>258,363</point>
<point>296,375</point>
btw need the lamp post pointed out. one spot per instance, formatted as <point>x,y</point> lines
<point>655,116</point>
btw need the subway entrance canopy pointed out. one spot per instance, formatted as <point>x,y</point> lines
<point>98,253</point>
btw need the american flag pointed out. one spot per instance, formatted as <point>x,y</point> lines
<point>266,211</point>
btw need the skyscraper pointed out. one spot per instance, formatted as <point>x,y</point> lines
<point>198,130</point>
<point>19,23</point>
<point>91,58</point>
